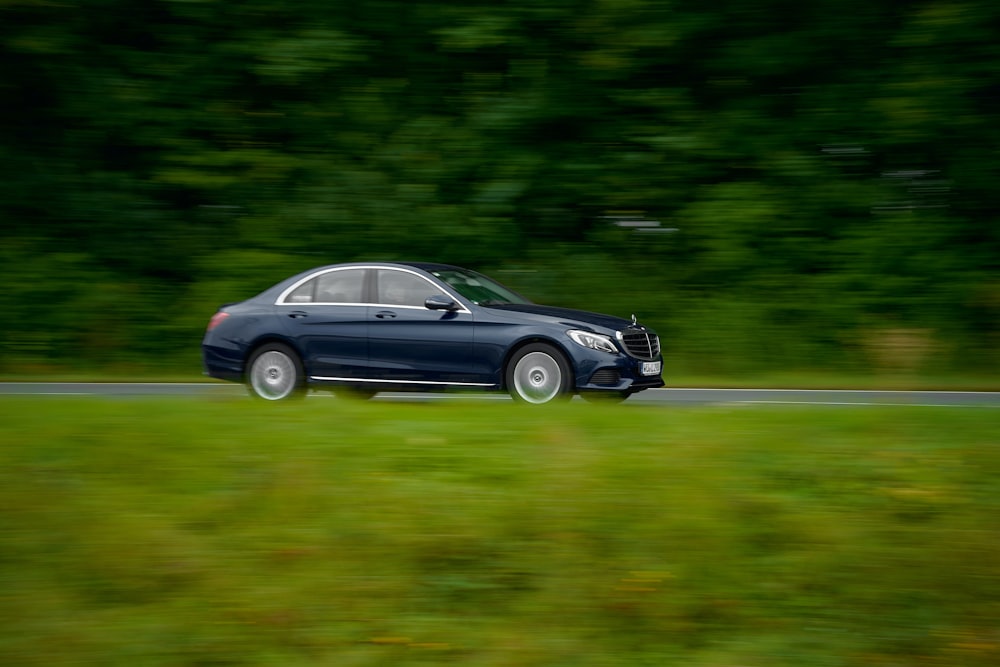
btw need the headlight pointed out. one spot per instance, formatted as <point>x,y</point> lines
<point>593,341</point>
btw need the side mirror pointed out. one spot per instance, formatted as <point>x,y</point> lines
<point>440,302</point>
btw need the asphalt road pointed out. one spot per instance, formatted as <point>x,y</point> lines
<point>669,396</point>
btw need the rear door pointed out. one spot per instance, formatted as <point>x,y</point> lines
<point>326,315</point>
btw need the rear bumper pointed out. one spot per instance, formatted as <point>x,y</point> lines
<point>221,363</point>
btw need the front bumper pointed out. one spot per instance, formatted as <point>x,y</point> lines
<point>600,371</point>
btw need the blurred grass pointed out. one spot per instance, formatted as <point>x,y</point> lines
<point>224,532</point>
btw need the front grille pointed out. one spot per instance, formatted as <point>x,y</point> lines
<point>640,343</point>
<point>606,376</point>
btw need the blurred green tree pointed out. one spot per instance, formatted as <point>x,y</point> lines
<point>828,167</point>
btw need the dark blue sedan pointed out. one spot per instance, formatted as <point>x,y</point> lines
<point>367,327</point>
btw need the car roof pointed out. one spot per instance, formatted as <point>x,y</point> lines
<point>427,266</point>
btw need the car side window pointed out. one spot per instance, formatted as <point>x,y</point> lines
<point>345,286</point>
<point>340,286</point>
<point>400,288</point>
<point>304,293</point>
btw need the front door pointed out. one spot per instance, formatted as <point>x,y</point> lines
<point>411,344</point>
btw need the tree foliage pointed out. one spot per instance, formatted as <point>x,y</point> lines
<point>828,167</point>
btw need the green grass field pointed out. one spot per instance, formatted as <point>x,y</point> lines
<point>193,532</point>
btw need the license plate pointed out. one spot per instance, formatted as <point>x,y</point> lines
<point>650,368</point>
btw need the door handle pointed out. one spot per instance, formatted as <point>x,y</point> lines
<point>296,314</point>
<point>385,314</point>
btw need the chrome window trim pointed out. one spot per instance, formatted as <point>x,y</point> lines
<point>454,384</point>
<point>280,301</point>
<point>351,303</point>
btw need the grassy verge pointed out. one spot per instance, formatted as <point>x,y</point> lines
<point>179,532</point>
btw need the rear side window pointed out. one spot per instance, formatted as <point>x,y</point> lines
<point>344,286</point>
<point>303,293</point>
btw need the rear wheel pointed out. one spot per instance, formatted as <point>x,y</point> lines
<point>538,373</point>
<point>275,373</point>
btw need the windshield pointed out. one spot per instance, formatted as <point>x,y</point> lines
<point>477,288</point>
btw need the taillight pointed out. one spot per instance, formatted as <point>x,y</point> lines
<point>217,320</point>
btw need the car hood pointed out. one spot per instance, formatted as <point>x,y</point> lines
<point>567,316</point>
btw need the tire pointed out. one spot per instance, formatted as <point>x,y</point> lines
<point>606,397</point>
<point>538,373</point>
<point>275,373</point>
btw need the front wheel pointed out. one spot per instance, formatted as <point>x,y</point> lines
<point>538,373</point>
<point>275,373</point>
